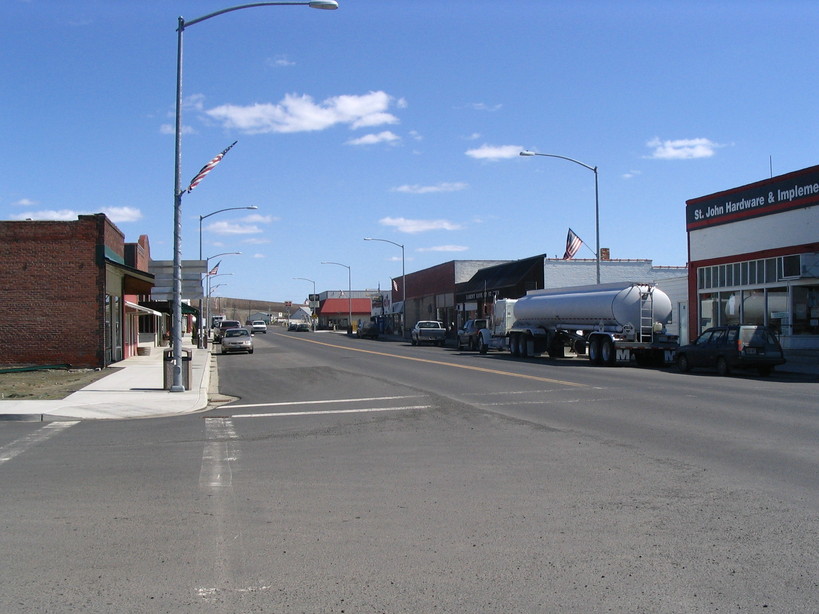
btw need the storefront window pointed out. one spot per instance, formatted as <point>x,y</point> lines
<point>805,310</point>
<point>732,306</point>
<point>709,310</point>
<point>778,309</point>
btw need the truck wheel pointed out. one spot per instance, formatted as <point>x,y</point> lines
<point>483,348</point>
<point>606,352</point>
<point>594,351</point>
<point>413,341</point>
<point>524,346</point>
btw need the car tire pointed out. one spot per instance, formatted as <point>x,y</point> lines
<point>250,351</point>
<point>765,370</point>
<point>682,363</point>
<point>413,341</point>
<point>723,368</point>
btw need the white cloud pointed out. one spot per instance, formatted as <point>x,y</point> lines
<point>258,218</point>
<point>414,226</point>
<point>118,215</point>
<point>494,152</point>
<point>25,202</point>
<point>259,256</point>
<point>122,214</point>
<point>482,106</point>
<point>279,61</point>
<point>373,139</point>
<point>682,149</point>
<point>431,189</point>
<point>232,228</point>
<point>443,248</point>
<point>256,241</point>
<point>631,174</point>
<point>301,114</point>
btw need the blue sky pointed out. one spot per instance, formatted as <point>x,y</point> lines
<point>400,120</point>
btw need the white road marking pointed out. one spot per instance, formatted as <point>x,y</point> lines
<point>286,403</point>
<point>331,411</point>
<point>215,472</point>
<point>221,547</point>
<point>17,447</point>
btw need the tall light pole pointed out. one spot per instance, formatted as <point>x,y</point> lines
<point>349,295</point>
<point>177,385</point>
<point>529,153</point>
<point>312,318</point>
<point>207,294</point>
<point>403,279</point>
<point>203,326</point>
<point>202,217</point>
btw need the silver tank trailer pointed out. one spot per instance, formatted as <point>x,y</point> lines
<point>614,305</point>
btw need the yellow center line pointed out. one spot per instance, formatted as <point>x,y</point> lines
<point>443,364</point>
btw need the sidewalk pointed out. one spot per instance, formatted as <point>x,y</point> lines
<point>134,390</point>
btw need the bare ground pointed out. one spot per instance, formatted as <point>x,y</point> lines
<point>47,384</point>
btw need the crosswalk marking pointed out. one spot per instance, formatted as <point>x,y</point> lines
<point>324,402</point>
<point>18,446</point>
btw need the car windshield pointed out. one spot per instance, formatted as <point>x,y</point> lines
<point>238,332</point>
<point>428,325</point>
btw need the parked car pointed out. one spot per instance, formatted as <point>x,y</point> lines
<point>368,330</point>
<point>428,331</point>
<point>303,327</point>
<point>258,326</point>
<point>237,340</point>
<point>733,347</point>
<point>224,325</point>
<point>468,335</point>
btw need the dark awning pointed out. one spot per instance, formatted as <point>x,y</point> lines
<point>502,276</point>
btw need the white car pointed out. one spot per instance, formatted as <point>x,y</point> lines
<point>258,326</point>
<point>237,340</point>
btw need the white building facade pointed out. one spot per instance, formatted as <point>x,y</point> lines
<point>753,256</point>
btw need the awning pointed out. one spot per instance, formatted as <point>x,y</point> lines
<point>502,276</point>
<point>144,311</point>
<point>343,306</point>
<point>134,281</point>
<point>397,307</point>
<point>166,307</point>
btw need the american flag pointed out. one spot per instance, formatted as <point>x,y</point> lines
<point>573,244</point>
<point>208,168</point>
<point>215,269</point>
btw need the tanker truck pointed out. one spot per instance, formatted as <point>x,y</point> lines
<point>614,323</point>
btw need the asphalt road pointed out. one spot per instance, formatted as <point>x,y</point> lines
<point>366,476</point>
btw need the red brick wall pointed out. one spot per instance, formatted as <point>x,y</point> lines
<point>52,291</point>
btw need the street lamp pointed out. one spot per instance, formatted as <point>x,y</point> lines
<point>403,279</point>
<point>312,318</point>
<point>207,293</point>
<point>202,217</point>
<point>202,341</point>
<point>349,295</point>
<point>177,386</point>
<point>528,153</point>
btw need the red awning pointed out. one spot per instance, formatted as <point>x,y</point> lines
<point>342,306</point>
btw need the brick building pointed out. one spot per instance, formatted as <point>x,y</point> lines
<point>64,286</point>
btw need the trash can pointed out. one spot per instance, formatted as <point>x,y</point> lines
<point>167,363</point>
